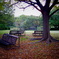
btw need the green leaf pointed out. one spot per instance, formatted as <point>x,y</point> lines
<point>1,6</point>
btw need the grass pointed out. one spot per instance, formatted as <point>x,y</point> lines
<point>4,31</point>
<point>23,39</point>
<point>55,34</point>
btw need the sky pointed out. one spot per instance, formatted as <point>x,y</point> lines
<point>27,11</point>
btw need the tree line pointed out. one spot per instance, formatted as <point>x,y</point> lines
<point>28,22</point>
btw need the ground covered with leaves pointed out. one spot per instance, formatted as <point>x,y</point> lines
<point>31,51</point>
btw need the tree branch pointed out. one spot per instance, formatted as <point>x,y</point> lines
<point>57,3</point>
<point>29,1</point>
<point>33,4</point>
<point>54,12</point>
<point>47,3</point>
<point>23,7</point>
<point>14,3</point>
<point>37,8</point>
<point>39,4</point>
<point>54,3</point>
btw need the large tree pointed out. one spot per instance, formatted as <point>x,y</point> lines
<point>44,6</point>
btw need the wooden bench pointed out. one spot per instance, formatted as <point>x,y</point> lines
<point>38,33</point>
<point>16,32</point>
<point>8,39</point>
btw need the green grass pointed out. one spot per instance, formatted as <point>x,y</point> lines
<point>4,31</point>
<point>23,39</point>
<point>55,34</point>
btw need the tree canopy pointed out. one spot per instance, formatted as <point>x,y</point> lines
<point>54,21</point>
<point>6,15</point>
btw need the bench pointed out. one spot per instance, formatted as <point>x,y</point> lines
<point>16,32</point>
<point>38,33</point>
<point>8,39</point>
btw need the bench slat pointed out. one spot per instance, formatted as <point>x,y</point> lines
<point>16,32</point>
<point>38,33</point>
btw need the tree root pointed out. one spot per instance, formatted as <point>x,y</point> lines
<point>35,38</point>
<point>51,39</point>
<point>40,39</point>
<point>48,41</point>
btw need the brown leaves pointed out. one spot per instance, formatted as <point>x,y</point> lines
<point>31,51</point>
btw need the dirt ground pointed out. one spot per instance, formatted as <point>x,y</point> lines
<point>31,51</point>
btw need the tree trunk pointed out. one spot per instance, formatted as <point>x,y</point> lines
<point>46,30</point>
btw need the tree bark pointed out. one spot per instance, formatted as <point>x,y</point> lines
<point>46,30</point>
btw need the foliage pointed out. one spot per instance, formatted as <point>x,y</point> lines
<point>29,21</point>
<point>54,20</point>
<point>6,21</point>
<point>2,4</point>
<point>4,31</point>
<point>6,15</point>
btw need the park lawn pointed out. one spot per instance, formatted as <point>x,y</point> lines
<point>31,51</point>
<point>55,34</point>
<point>4,31</point>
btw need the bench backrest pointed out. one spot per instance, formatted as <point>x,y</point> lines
<point>16,31</point>
<point>9,38</point>
<point>12,32</point>
<point>41,32</point>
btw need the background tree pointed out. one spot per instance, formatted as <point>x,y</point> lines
<point>54,21</point>
<point>6,15</point>
<point>23,21</point>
